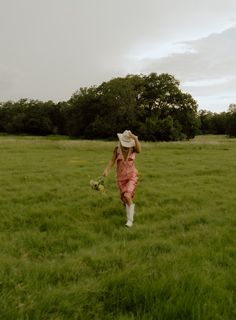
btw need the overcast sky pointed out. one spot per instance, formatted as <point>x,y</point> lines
<point>51,48</point>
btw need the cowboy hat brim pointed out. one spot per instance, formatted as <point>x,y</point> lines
<point>125,141</point>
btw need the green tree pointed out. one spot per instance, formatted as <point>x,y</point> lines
<point>231,121</point>
<point>162,98</point>
<point>81,111</point>
<point>214,123</point>
<point>30,116</point>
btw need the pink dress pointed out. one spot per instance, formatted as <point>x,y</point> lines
<point>127,174</point>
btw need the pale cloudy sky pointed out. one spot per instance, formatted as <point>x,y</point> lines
<point>51,48</point>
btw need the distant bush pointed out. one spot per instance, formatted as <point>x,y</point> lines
<point>218,123</point>
<point>32,117</point>
<point>231,121</point>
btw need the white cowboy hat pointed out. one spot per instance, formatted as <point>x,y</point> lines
<point>125,139</point>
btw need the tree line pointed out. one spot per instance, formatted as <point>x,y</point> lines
<point>152,106</point>
<point>218,123</point>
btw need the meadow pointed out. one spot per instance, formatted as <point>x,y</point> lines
<point>66,254</point>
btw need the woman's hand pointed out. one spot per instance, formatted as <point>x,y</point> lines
<point>105,172</point>
<point>137,143</point>
<point>132,136</point>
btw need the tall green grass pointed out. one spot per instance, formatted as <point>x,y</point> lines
<point>64,250</point>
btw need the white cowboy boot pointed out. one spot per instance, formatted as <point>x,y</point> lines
<point>127,214</point>
<point>130,215</point>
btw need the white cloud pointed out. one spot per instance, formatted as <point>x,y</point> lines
<point>210,69</point>
<point>212,57</point>
<point>216,103</point>
<point>208,82</point>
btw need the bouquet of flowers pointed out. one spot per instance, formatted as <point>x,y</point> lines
<point>97,184</point>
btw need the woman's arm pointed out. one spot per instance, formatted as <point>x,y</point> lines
<point>110,163</point>
<point>137,147</point>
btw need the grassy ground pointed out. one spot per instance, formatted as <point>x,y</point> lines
<point>64,250</point>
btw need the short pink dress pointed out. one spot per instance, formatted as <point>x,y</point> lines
<point>127,174</point>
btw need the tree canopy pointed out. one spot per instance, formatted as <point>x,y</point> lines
<point>153,106</point>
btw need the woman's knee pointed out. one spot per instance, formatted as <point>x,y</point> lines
<point>127,197</point>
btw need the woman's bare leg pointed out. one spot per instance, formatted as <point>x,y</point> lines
<point>128,199</point>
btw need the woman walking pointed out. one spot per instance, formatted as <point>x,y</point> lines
<point>126,173</point>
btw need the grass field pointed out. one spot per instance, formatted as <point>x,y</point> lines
<point>64,250</point>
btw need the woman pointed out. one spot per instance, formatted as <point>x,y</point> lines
<point>127,174</point>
